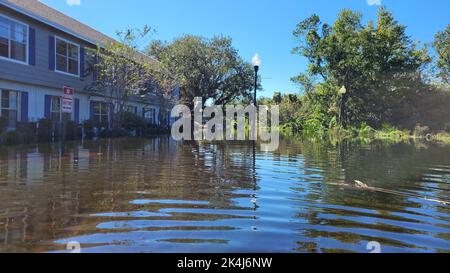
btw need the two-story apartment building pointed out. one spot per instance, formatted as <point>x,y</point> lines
<point>42,51</point>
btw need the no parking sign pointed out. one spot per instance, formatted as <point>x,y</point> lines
<point>67,100</point>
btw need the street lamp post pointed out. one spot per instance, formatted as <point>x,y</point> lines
<point>342,93</point>
<point>256,61</point>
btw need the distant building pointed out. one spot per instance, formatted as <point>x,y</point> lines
<point>42,51</point>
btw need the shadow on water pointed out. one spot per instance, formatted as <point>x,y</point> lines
<point>157,195</point>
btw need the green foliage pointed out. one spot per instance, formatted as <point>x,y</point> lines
<point>131,121</point>
<point>447,127</point>
<point>381,69</point>
<point>389,132</point>
<point>207,68</point>
<point>277,98</point>
<point>442,46</point>
<point>421,131</point>
<point>313,127</point>
<point>123,71</point>
<point>379,65</point>
<point>442,137</point>
<point>365,131</point>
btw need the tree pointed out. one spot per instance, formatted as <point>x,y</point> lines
<point>123,71</point>
<point>442,46</point>
<point>277,98</point>
<point>379,65</point>
<point>207,68</point>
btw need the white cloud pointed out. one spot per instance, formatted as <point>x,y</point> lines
<point>73,2</point>
<point>369,2</point>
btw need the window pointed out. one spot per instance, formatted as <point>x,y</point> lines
<point>67,57</point>
<point>56,113</point>
<point>131,109</point>
<point>55,109</point>
<point>9,108</point>
<point>150,115</point>
<point>101,112</point>
<point>13,40</point>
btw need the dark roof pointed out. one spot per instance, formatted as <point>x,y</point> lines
<point>54,18</point>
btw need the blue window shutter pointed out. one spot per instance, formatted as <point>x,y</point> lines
<point>32,46</point>
<point>51,53</point>
<point>77,111</point>
<point>48,100</point>
<point>82,62</point>
<point>91,110</point>
<point>24,107</point>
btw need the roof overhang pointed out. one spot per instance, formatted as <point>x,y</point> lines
<point>47,22</point>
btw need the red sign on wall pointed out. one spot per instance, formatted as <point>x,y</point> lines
<point>68,100</point>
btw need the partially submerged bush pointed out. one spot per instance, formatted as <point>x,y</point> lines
<point>447,127</point>
<point>390,132</point>
<point>9,138</point>
<point>3,124</point>
<point>114,133</point>
<point>27,132</point>
<point>131,122</point>
<point>421,131</point>
<point>73,131</point>
<point>45,130</point>
<point>88,126</point>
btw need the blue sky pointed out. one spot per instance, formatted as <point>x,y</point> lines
<point>263,26</point>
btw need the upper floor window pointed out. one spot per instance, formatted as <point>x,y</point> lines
<point>13,40</point>
<point>67,57</point>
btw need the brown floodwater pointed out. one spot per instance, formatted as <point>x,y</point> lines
<point>158,195</point>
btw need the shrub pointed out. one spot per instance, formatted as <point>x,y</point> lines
<point>390,132</point>
<point>447,127</point>
<point>73,132</point>
<point>114,133</point>
<point>9,138</point>
<point>45,130</point>
<point>131,121</point>
<point>421,131</point>
<point>88,126</point>
<point>3,124</point>
<point>366,131</point>
<point>27,133</point>
<point>313,127</point>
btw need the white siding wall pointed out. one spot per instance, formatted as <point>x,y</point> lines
<point>36,100</point>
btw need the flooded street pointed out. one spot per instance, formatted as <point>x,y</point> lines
<point>157,195</point>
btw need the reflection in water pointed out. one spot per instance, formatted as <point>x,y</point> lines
<point>158,195</point>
